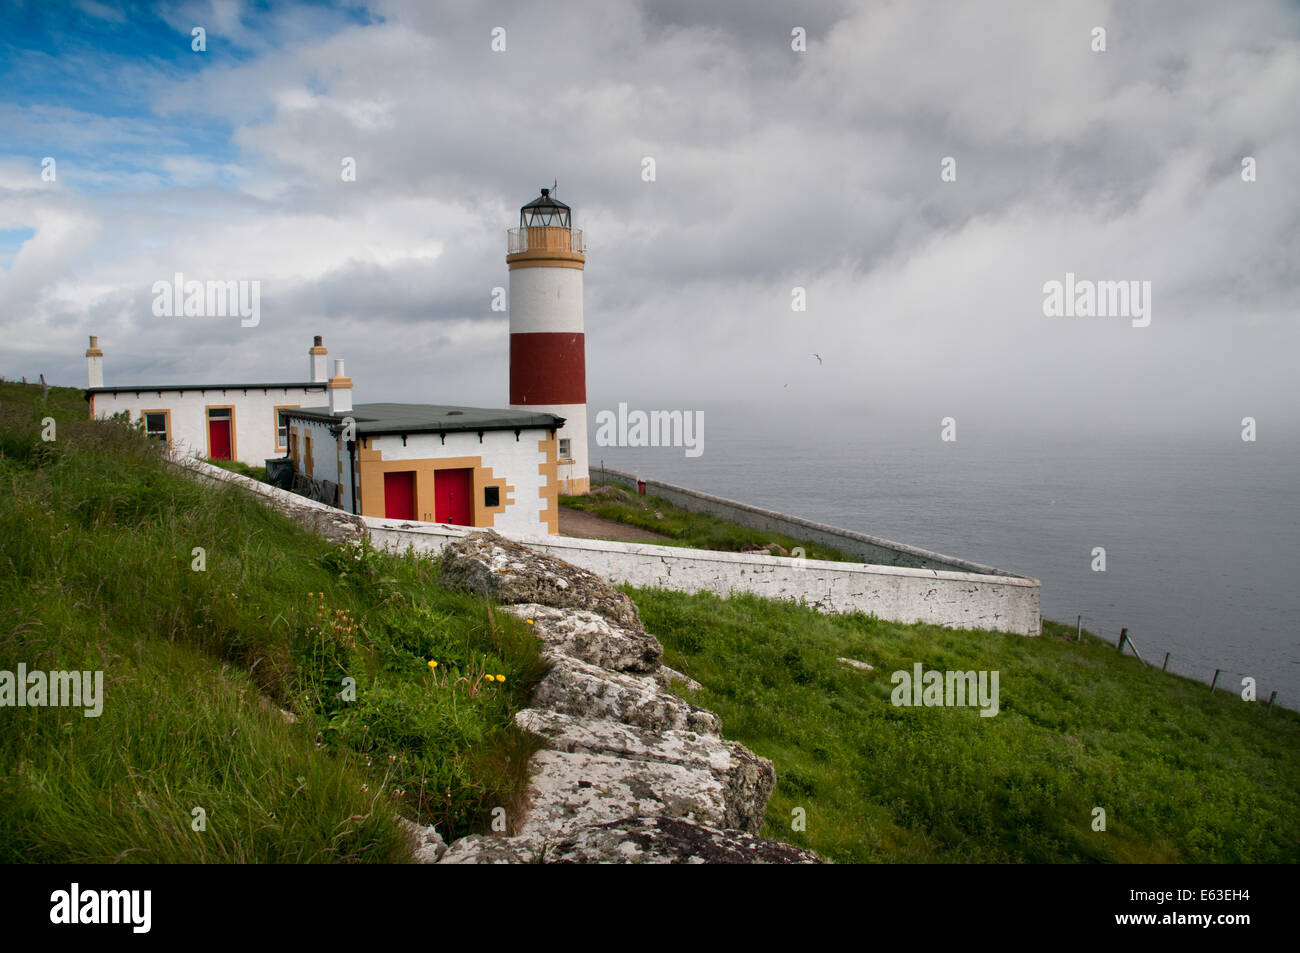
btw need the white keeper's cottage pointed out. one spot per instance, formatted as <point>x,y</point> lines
<point>218,421</point>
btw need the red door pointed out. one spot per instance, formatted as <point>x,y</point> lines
<point>451,497</point>
<point>399,495</point>
<point>219,439</point>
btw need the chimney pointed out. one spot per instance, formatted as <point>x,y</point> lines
<point>317,357</point>
<point>94,363</point>
<point>340,391</point>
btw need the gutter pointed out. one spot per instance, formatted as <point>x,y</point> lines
<point>353,489</point>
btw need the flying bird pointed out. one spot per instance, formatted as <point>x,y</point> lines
<point>819,358</point>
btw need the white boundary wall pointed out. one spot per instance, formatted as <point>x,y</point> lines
<point>1000,602</point>
<point>961,600</point>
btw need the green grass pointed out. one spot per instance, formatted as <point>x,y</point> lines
<point>243,469</point>
<point>1183,775</point>
<point>97,540</point>
<point>686,528</point>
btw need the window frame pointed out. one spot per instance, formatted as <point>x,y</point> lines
<point>167,417</point>
<point>275,417</point>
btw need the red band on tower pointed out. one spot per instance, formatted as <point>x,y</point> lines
<point>548,368</point>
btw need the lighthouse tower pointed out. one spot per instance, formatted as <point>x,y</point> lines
<point>548,363</point>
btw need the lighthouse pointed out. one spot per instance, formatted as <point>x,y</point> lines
<point>548,360</point>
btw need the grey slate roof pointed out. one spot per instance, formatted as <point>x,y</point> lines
<point>141,388</point>
<point>428,418</point>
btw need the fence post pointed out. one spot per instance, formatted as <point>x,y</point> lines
<point>1165,666</point>
<point>1078,628</point>
<point>1215,682</point>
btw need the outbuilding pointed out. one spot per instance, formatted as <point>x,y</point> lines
<point>463,466</point>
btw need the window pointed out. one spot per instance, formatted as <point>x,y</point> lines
<point>156,425</point>
<point>491,496</point>
<point>282,426</point>
<point>565,444</point>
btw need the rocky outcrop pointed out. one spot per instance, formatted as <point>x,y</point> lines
<point>427,845</point>
<point>631,773</point>
<point>636,840</point>
<point>590,637</point>
<point>492,565</point>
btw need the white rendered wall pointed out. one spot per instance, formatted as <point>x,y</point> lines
<point>254,415</point>
<point>545,299</point>
<point>956,599</point>
<point>575,429</point>
<point>518,461</point>
<point>324,449</point>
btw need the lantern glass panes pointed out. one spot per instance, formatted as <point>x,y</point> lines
<point>546,211</point>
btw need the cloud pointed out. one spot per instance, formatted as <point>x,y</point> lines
<point>775,169</point>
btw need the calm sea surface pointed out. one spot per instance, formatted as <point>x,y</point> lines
<point>1202,537</point>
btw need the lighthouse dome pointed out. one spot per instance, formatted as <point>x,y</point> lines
<point>545,210</point>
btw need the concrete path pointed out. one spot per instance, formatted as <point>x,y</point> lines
<point>586,526</point>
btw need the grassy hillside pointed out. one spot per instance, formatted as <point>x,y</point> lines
<point>223,693</point>
<point>1183,775</point>
<point>223,686</point>
<point>695,530</point>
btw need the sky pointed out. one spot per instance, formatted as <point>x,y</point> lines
<point>775,168</point>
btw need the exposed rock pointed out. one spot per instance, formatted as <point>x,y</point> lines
<point>492,565</point>
<point>746,779</point>
<point>856,664</point>
<point>633,773</point>
<point>568,791</point>
<point>483,849</point>
<point>587,691</point>
<point>427,845</point>
<point>665,676</point>
<point>592,638</point>
<point>669,840</point>
<point>633,840</point>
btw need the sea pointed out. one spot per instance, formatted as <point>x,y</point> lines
<point>1201,533</point>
